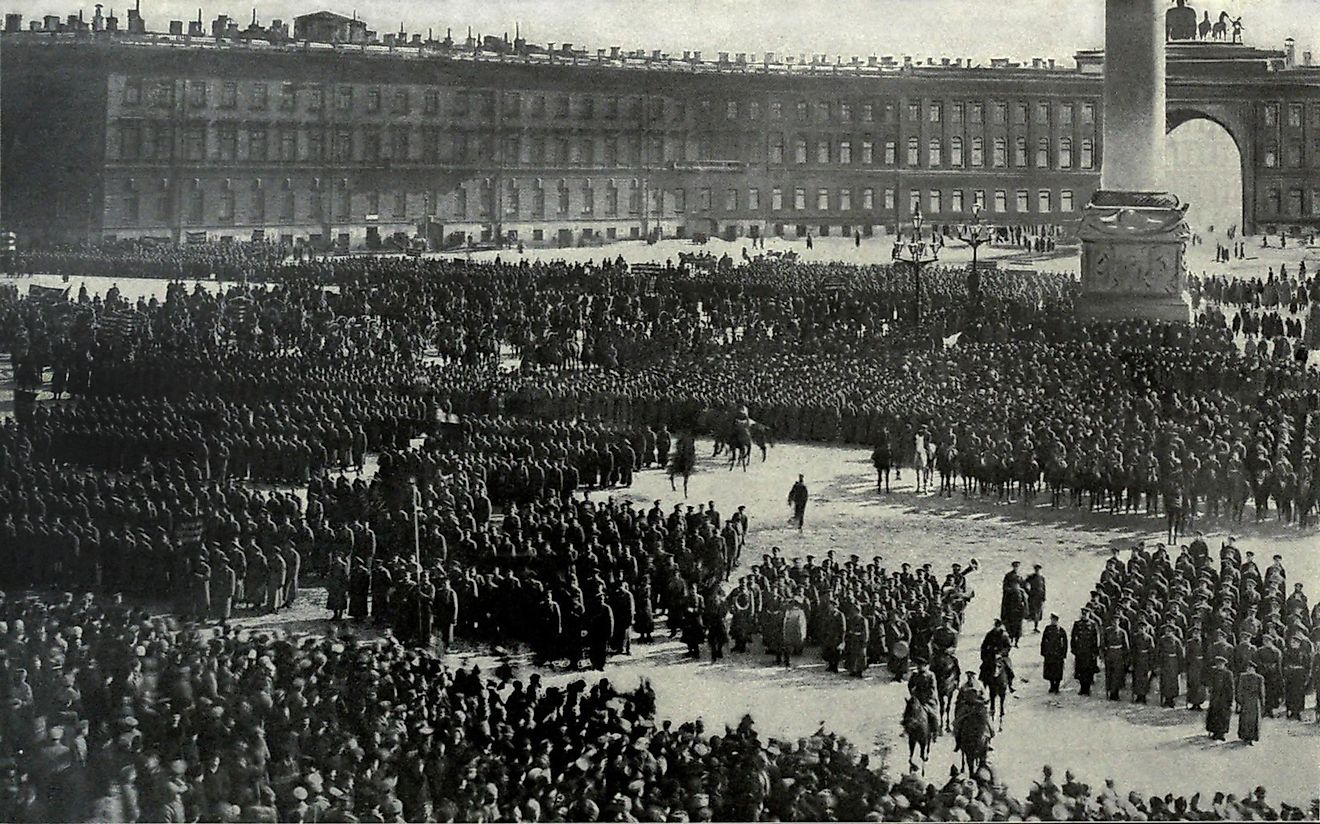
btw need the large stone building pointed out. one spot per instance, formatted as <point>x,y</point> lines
<point>108,133</point>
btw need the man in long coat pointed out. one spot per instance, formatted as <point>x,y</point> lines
<point>1219,716</point>
<point>1054,649</point>
<point>1086,652</point>
<point>831,636</point>
<point>1251,695</point>
<point>1035,597</point>
<point>1013,610</point>
<point>1116,654</point>
<point>1169,654</point>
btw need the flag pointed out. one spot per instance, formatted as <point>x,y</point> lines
<point>189,532</point>
<point>47,294</point>
<point>123,324</point>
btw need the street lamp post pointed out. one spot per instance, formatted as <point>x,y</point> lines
<point>974,235</point>
<point>917,254</point>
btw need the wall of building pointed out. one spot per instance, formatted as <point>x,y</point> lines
<point>315,144</point>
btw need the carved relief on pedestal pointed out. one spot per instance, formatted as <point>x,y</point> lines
<point>1133,244</point>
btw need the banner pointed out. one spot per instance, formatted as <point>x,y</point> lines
<point>189,532</point>
<point>47,294</point>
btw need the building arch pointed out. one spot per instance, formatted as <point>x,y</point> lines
<point>1236,121</point>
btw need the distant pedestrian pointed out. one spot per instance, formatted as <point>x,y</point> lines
<point>797,496</point>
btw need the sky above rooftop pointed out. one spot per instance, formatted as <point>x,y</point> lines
<point>921,28</point>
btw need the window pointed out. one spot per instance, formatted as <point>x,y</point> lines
<point>704,199</point>
<point>399,149</point>
<point>680,200</point>
<point>343,145</point>
<point>889,199</point>
<point>197,94</point>
<point>754,110</point>
<point>754,199</point>
<point>868,152</point>
<point>891,153</point>
<point>845,152</point>
<point>373,98</point>
<point>776,110</point>
<point>777,149</point>
<point>823,112</point>
<point>936,113</point>
<point>1295,115</point>
<point>1295,202</point>
<point>315,206</point>
<point>1020,151</point>
<point>132,91</point>
<point>956,113</point>
<point>315,98</point>
<point>196,203</point>
<point>822,200</point>
<point>822,151</point>
<point>845,200</point>
<point>343,201</point>
<point>288,143</point>
<point>1023,201</point>
<point>977,114</point>
<point>1065,114</point>
<point>868,112</point>
<point>1043,153</point>
<point>731,200</point>
<point>914,110</point>
<point>258,96</point>
<point>1295,155</point>
<point>914,202</point>
<point>1271,156</point>
<point>344,98</point>
<point>1065,153</point>
<point>371,145</point>
<point>978,152</point>
<point>1088,153</point>
<point>956,201</point>
<point>227,138</point>
<point>978,198</point>
<point>800,199</point>
<point>1315,201</point>
<point>1043,113</point>
<point>1066,201</point>
<point>588,198</point>
<point>229,94</point>
<point>803,111</point>
<point>731,110</point>
<point>132,203</point>
<point>163,95</point>
<point>431,102</point>
<point>776,199</point>
<point>315,145</point>
<point>1271,113</point>
<point>935,199</point>
<point>868,198</point>
<point>956,151</point>
<point>1088,112</point>
<point>130,140</point>
<point>257,143</point>
<point>845,112</point>
<point>800,150</point>
<point>1000,159</point>
<point>913,152</point>
<point>1001,200</point>
<point>1044,202</point>
<point>561,197</point>
<point>1020,111</point>
<point>402,104</point>
<point>936,151</point>
<point>634,198</point>
<point>612,199</point>
<point>1272,202</point>
<point>1000,113</point>
<point>288,203</point>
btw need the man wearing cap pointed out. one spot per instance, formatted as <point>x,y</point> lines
<point>1116,647</point>
<point>797,497</point>
<point>1035,586</point>
<point>1222,692</point>
<point>1054,649</point>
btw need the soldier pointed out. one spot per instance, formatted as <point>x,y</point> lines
<point>1085,643</point>
<point>1141,661</point>
<point>1116,648</point>
<point>797,497</point>
<point>1054,649</point>
<point>623,607</point>
<point>1035,586</point>
<point>276,569</point>
<point>292,571</point>
<point>832,635</point>
<point>1170,655</point>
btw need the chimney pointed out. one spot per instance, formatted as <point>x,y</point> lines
<point>1051,63</point>
<point>724,57</point>
<point>696,57</point>
<point>944,61</point>
<point>655,54</point>
<point>176,28</point>
<point>1035,62</point>
<point>1306,58</point>
<point>1290,52</point>
<point>50,23</point>
<point>13,23</point>
<point>614,52</point>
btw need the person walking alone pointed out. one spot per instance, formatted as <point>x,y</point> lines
<point>797,496</point>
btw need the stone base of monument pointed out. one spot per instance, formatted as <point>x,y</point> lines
<point>1132,258</point>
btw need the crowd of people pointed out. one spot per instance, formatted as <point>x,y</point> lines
<point>1188,630</point>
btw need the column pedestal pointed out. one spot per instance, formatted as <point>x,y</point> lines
<point>1132,258</point>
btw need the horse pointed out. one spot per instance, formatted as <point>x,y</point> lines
<point>946,462</point>
<point>997,686</point>
<point>683,460</point>
<point>973,731</point>
<point>739,441</point>
<point>947,673</point>
<point>1203,29</point>
<point>916,726</point>
<point>1219,31</point>
<point>881,460</point>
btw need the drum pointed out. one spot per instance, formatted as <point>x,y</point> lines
<point>899,650</point>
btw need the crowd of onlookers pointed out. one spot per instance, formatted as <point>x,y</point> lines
<point>114,716</point>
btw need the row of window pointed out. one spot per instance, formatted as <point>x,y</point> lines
<point>1046,112</point>
<point>949,202</point>
<point>1292,204</point>
<point>955,153</point>
<point>1292,155</point>
<point>1295,112</point>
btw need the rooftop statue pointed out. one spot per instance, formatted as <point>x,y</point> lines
<point>1180,22</point>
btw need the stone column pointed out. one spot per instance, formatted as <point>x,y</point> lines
<point>1133,234</point>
